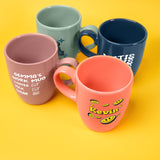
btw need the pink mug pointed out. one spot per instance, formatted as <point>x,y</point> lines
<point>31,60</point>
<point>102,90</point>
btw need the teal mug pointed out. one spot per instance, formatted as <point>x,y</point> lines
<point>63,23</point>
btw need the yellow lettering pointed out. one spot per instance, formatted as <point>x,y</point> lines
<point>117,109</point>
<point>111,111</point>
<point>100,112</point>
<point>105,112</point>
<point>93,110</point>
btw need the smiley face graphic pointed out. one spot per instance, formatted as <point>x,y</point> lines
<point>108,120</point>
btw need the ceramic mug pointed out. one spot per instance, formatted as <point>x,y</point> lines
<point>121,38</point>
<point>63,23</point>
<point>31,60</point>
<point>102,90</point>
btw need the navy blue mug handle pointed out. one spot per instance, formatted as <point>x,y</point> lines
<point>82,48</point>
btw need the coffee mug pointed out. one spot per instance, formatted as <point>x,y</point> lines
<point>63,23</point>
<point>102,90</point>
<point>121,38</point>
<point>31,60</point>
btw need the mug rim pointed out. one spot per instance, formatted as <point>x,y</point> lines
<point>27,35</point>
<point>124,44</point>
<point>58,28</point>
<point>104,92</point>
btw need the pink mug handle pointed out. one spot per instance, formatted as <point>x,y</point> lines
<point>70,61</point>
<point>60,84</point>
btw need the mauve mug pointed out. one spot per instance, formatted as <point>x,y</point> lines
<point>102,90</point>
<point>63,23</point>
<point>121,38</point>
<point>31,60</point>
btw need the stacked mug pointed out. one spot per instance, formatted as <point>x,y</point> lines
<point>103,82</point>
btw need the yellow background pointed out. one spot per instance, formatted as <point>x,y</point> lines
<point>55,130</point>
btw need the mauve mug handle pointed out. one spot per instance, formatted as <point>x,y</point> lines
<point>93,35</point>
<point>59,83</point>
<point>68,61</point>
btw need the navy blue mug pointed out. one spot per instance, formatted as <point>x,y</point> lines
<point>122,38</point>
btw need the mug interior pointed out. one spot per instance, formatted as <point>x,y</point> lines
<point>104,73</point>
<point>123,31</point>
<point>58,16</point>
<point>31,48</point>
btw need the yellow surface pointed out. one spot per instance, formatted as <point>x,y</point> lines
<point>55,131</point>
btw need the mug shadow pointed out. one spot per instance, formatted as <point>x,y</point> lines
<point>150,66</point>
<point>129,114</point>
<point>58,99</point>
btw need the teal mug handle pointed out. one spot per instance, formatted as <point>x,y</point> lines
<point>92,32</point>
<point>93,29</point>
